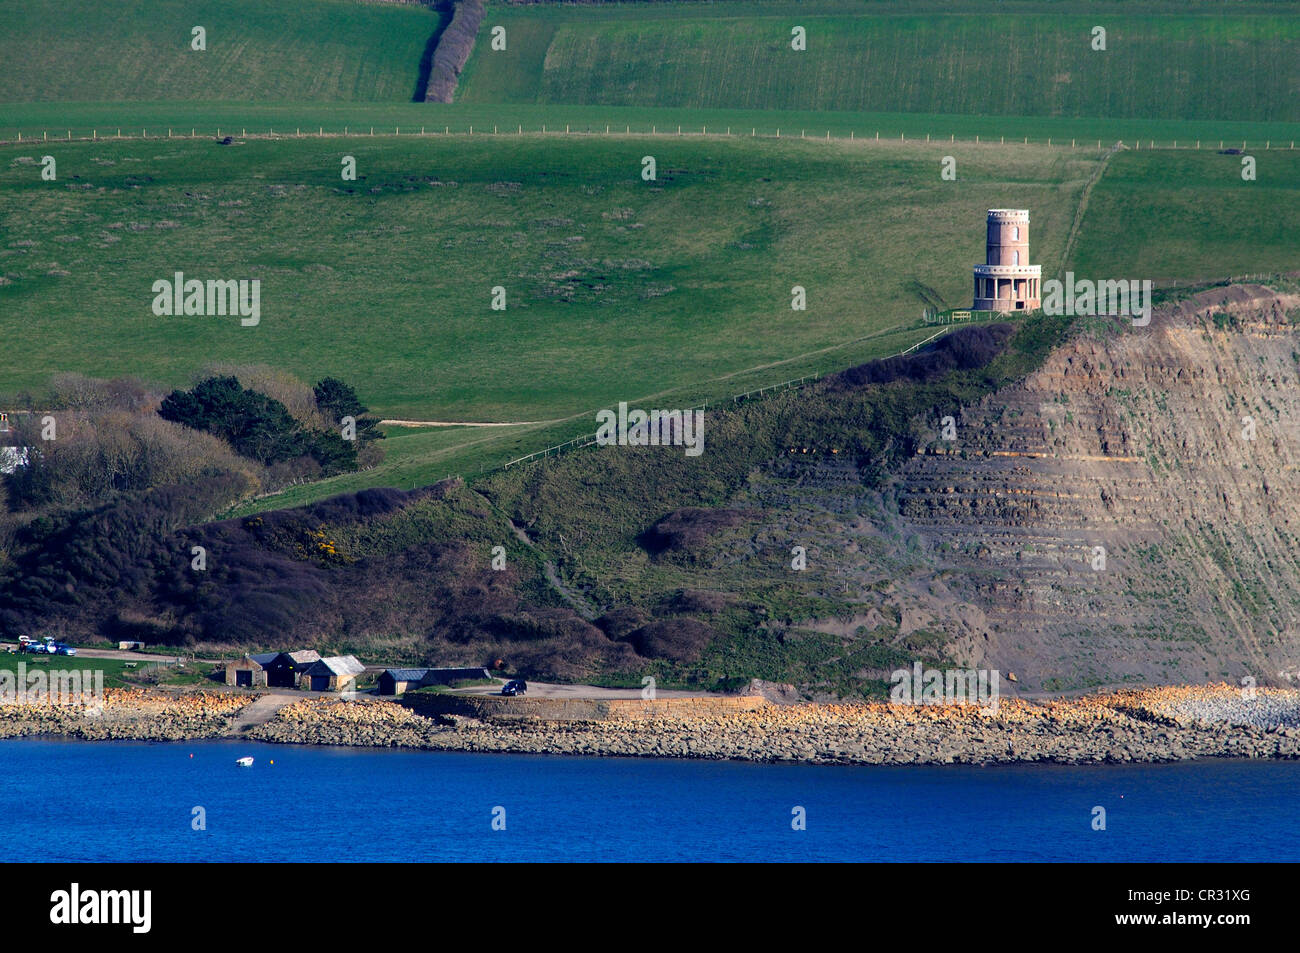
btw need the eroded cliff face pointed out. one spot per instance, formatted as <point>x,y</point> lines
<point>1174,449</point>
<point>1127,440</point>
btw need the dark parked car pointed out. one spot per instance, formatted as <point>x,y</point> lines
<point>516,686</point>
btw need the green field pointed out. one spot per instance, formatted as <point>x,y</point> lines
<point>676,290</point>
<point>617,288</point>
<point>308,50</point>
<point>386,281</point>
<point>1208,62</point>
<point>1189,216</point>
<point>117,673</point>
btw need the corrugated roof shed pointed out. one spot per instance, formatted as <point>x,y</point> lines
<point>406,674</point>
<point>342,665</point>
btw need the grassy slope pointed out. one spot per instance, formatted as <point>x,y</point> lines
<point>419,457</point>
<point>386,281</point>
<point>980,61</point>
<point>416,352</point>
<point>1147,217</point>
<point>1242,231</point>
<point>414,349</point>
<point>310,50</point>
<point>1189,216</point>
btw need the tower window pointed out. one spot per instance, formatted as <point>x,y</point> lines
<point>1015,258</point>
<point>1015,233</point>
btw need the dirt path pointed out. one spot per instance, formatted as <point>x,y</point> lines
<point>555,690</point>
<point>117,654</point>
<point>573,598</point>
<point>463,423</point>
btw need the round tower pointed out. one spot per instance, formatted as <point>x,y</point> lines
<point>1006,281</point>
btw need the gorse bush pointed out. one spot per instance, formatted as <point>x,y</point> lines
<point>965,349</point>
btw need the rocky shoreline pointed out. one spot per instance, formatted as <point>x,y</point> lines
<point>128,715</point>
<point>1150,725</point>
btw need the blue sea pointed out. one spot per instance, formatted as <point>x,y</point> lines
<point>131,801</point>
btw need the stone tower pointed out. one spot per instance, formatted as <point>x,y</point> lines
<point>1006,281</point>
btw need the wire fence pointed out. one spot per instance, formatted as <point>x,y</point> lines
<point>773,388</point>
<point>609,129</point>
<point>967,316</point>
<point>920,344</point>
<point>584,441</point>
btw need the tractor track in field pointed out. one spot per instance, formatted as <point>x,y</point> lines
<point>1082,207</point>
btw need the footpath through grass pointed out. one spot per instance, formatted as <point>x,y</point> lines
<point>416,457</point>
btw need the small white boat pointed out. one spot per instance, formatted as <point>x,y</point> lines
<point>245,762</point>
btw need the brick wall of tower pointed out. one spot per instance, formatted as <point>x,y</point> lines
<point>1004,238</point>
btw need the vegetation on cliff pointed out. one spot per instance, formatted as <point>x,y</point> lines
<point>632,532</point>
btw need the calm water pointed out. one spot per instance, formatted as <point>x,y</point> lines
<point>133,802</point>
